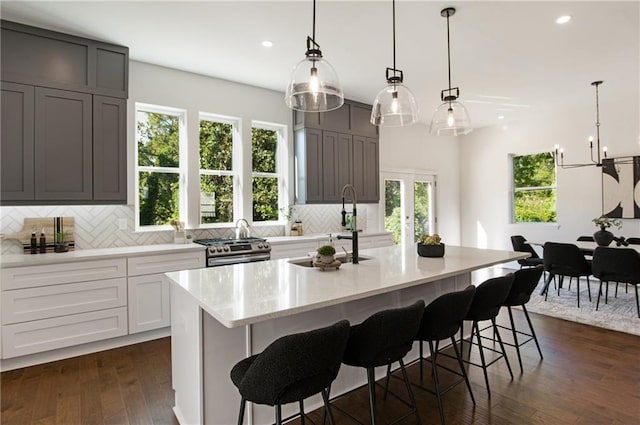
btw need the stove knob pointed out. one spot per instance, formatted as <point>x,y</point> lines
<point>219,249</point>
<point>226,248</point>
<point>266,245</point>
<point>260,245</point>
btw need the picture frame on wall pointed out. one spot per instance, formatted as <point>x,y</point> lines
<point>621,187</point>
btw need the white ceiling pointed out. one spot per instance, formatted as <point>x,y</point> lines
<point>508,58</point>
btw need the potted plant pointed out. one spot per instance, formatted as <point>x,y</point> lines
<point>430,246</point>
<point>326,254</point>
<point>603,237</point>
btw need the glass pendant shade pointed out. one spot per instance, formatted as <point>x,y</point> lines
<point>451,119</point>
<point>314,86</point>
<point>394,106</point>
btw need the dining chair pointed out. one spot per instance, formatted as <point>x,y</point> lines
<point>520,245</point>
<point>292,368</point>
<point>565,259</point>
<point>617,265</point>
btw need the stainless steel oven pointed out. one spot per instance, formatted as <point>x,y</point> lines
<point>221,251</point>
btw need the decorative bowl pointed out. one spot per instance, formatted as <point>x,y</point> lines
<point>431,250</point>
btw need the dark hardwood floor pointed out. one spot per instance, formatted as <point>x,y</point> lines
<point>588,376</point>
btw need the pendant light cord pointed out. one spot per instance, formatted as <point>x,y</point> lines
<point>314,23</point>
<point>394,37</point>
<point>598,123</point>
<point>449,54</point>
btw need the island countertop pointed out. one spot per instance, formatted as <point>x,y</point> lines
<point>245,294</point>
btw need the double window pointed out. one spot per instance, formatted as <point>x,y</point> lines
<point>534,188</point>
<point>162,172</point>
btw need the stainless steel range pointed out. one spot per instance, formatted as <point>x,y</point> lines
<point>222,251</point>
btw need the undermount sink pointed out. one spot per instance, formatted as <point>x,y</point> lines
<point>308,262</point>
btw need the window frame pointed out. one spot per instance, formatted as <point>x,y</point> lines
<point>180,170</point>
<point>280,174</point>
<point>513,190</point>
<point>236,162</point>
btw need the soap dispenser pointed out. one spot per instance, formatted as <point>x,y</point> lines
<point>34,247</point>
<point>43,242</point>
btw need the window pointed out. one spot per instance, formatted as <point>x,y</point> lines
<point>159,136</point>
<point>217,175</point>
<point>534,188</point>
<point>266,171</point>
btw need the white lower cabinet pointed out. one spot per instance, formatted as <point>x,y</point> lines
<point>149,293</point>
<point>149,303</point>
<point>293,250</point>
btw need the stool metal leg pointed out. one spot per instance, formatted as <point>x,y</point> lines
<point>476,330</point>
<point>434,370</point>
<point>327,407</point>
<point>533,333</point>
<point>515,337</point>
<point>371,379</point>
<point>410,391</point>
<point>504,352</point>
<point>421,358</point>
<point>302,418</point>
<point>464,372</point>
<point>243,402</point>
<point>278,414</point>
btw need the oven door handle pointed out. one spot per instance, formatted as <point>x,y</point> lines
<point>222,261</point>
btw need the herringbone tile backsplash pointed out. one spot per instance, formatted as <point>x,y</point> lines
<point>97,226</point>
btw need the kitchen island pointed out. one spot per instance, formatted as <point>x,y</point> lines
<point>221,315</point>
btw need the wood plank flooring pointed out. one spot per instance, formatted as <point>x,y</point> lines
<point>588,376</point>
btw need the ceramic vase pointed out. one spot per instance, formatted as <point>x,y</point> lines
<point>431,250</point>
<point>603,237</point>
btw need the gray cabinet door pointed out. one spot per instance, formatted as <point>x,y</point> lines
<point>366,168</point>
<point>17,142</point>
<point>63,152</point>
<point>308,152</point>
<point>109,149</point>
<point>336,164</point>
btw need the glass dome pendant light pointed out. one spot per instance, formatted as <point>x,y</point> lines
<point>451,118</point>
<point>314,84</point>
<point>394,105</point>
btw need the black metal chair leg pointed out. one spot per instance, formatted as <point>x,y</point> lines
<point>327,408</point>
<point>515,338</point>
<point>243,402</point>
<point>606,294</point>
<point>599,292</point>
<point>302,417</point>
<point>476,330</point>
<point>371,379</point>
<point>589,288</point>
<point>637,301</point>
<point>436,382</point>
<point>410,391</point>
<point>421,360</point>
<point>464,372</point>
<point>278,414</point>
<point>533,333</point>
<point>386,385</point>
<point>504,352</point>
<point>578,286</point>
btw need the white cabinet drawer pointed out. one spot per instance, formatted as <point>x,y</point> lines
<point>149,303</point>
<point>41,335</point>
<point>46,302</point>
<point>293,250</point>
<point>152,264</point>
<point>54,274</point>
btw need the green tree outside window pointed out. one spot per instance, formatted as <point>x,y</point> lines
<point>534,188</point>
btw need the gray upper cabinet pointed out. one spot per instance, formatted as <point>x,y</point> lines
<point>109,149</point>
<point>333,149</point>
<point>45,58</point>
<point>17,142</point>
<point>63,148</point>
<point>64,115</point>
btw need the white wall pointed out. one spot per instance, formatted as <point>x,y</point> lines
<point>485,172</point>
<point>413,149</point>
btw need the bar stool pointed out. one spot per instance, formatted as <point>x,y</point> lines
<point>524,283</point>
<point>442,319</point>
<point>292,368</point>
<point>382,339</point>
<point>486,305</point>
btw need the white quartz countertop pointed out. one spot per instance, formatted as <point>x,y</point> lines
<point>277,240</point>
<point>243,294</point>
<point>20,260</point>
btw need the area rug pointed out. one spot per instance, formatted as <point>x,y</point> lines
<point>619,314</point>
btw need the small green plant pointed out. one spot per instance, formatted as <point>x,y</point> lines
<point>327,250</point>
<point>426,239</point>
<point>605,222</point>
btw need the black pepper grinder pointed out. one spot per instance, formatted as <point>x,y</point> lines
<point>34,247</point>
<point>43,242</point>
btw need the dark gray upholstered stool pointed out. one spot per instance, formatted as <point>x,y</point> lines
<point>291,369</point>
<point>441,320</point>
<point>382,339</point>
<point>524,283</point>
<point>486,305</point>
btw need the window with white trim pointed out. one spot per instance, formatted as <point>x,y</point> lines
<point>534,188</point>
<point>266,176</point>
<point>217,174</point>
<point>160,175</point>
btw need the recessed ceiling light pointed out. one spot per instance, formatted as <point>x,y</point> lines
<point>267,43</point>
<point>500,117</point>
<point>563,19</point>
